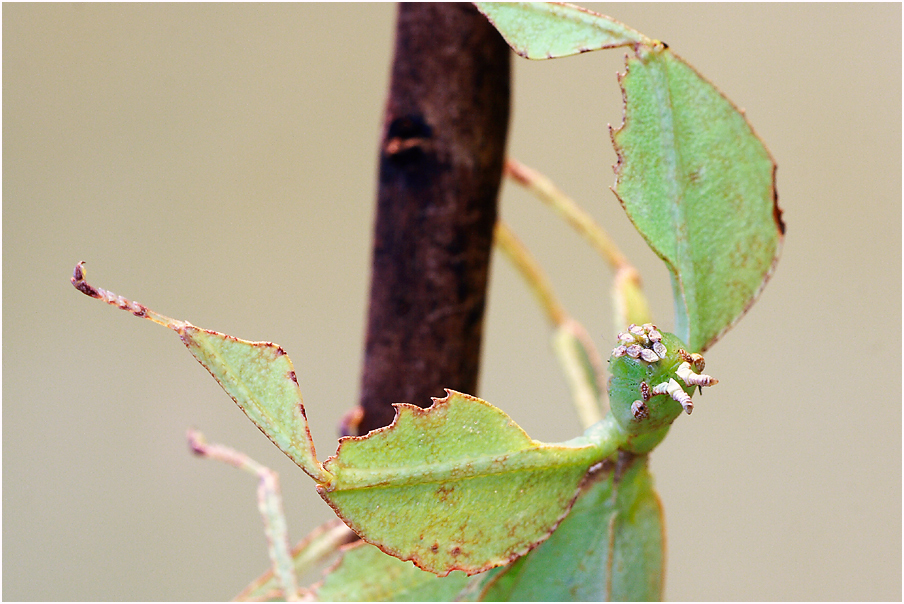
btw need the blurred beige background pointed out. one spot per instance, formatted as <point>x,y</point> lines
<point>217,163</point>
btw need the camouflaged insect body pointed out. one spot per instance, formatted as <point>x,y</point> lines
<point>652,380</point>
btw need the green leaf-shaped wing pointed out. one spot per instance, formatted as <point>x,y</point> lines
<point>609,548</point>
<point>546,30</point>
<point>699,186</point>
<point>457,486</point>
<point>260,378</point>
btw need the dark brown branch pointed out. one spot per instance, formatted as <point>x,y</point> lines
<point>440,167</point>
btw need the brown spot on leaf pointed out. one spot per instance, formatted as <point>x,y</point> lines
<point>777,211</point>
<point>444,491</point>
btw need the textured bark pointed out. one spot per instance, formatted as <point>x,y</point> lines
<point>440,166</point>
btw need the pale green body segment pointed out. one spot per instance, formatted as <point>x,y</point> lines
<point>412,488</point>
<point>641,435</point>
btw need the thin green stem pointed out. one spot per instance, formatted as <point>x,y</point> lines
<point>322,543</point>
<point>269,502</point>
<point>583,368</point>
<point>578,357</point>
<point>533,275</point>
<point>580,220</point>
<point>630,303</point>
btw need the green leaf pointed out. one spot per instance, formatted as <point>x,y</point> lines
<point>635,567</point>
<point>609,548</point>
<point>261,380</point>
<point>365,574</point>
<point>258,376</point>
<point>583,368</point>
<point>699,186</point>
<point>544,30</point>
<point>458,486</point>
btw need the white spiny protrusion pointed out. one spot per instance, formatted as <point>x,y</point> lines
<point>692,378</point>
<point>674,390</point>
